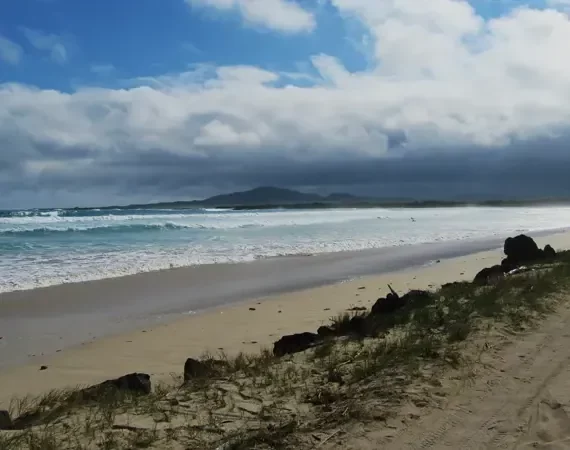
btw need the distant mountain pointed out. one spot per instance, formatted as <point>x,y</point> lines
<point>262,196</point>
<point>271,197</point>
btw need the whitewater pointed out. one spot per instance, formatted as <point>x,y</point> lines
<point>43,248</point>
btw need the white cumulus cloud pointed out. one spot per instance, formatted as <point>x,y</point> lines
<point>280,15</point>
<point>444,81</point>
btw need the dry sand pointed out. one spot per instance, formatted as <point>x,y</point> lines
<point>162,350</point>
<point>520,399</point>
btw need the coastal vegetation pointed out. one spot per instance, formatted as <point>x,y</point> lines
<point>360,371</point>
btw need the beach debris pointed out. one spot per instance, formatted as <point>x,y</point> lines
<point>520,269</point>
<point>294,343</point>
<point>5,420</point>
<point>43,367</point>
<point>357,308</point>
<point>252,309</point>
<point>361,288</point>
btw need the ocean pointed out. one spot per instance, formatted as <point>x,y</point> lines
<point>43,248</point>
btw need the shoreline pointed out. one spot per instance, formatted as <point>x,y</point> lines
<point>44,321</point>
<point>162,348</point>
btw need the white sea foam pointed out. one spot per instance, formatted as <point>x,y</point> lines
<point>112,245</point>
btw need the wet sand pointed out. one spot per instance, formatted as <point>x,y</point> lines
<point>141,323</point>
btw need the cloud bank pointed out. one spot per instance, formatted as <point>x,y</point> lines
<point>454,104</point>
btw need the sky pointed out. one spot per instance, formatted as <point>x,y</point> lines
<point>121,101</point>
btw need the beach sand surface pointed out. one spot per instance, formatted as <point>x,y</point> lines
<point>245,327</point>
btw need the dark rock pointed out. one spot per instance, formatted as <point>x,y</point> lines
<point>549,252</point>
<point>194,368</point>
<point>393,301</point>
<point>325,331</point>
<point>489,275</point>
<point>508,265</point>
<point>452,285</point>
<point>136,383</point>
<point>294,343</point>
<point>133,382</point>
<point>357,308</point>
<point>5,420</point>
<point>252,309</point>
<point>43,367</point>
<point>357,325</point>
<point>416,297</point>
<point>521,249</point>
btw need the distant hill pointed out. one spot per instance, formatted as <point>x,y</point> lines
<point>265,196</point>
<point>268,197</point>
<point>262,195</point>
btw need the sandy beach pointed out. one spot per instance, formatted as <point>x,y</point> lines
<point>247,326</point>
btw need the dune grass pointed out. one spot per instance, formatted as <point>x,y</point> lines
<point>299,401</point>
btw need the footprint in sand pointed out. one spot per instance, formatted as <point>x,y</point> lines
<point>548,428</point>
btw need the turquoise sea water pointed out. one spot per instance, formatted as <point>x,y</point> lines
<point>42,248</point>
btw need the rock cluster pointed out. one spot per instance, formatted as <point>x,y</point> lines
<point>359,324</point>
<point>519,250</point>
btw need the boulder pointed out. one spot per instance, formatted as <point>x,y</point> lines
<point>5,420</point>
<point>194,368</point>
<point>357,325</point>
<point>521,249</point>
<point>416,297</point>
<point>393,301</point>
<point>132,382</point>
<point>387,305</point>
<point>489,275</point>
<point>136,383</point>
<point>294,343</point>
<point>325,331</point>
<point>549,252</point>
